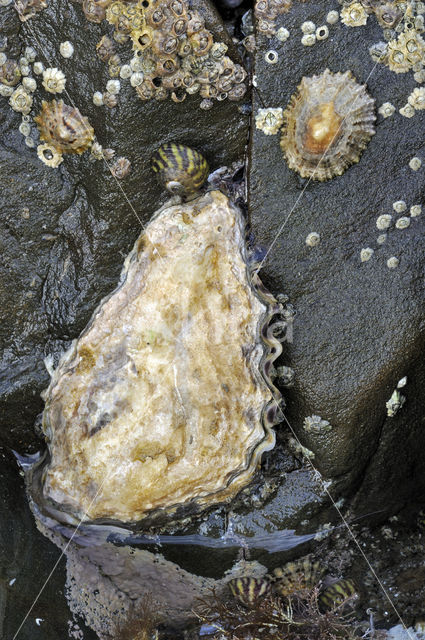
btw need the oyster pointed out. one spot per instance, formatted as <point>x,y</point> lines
<point>163,406</point>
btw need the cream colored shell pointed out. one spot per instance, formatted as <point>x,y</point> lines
<point>160,402</point>
<point>327,124</point>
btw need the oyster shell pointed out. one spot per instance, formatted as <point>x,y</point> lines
<point>161,405</point>
<point>327,124</point>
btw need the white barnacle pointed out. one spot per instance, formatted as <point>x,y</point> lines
<point>308,27</point>
<point>417,98</point>
<point>49,155</point>
<point>113,86</point>
<point>399,206</point>
<point>269,120</point>
<point>30,142</point>
<point>384,221</point>
<point>30,54</point>
<point>419,76</point>
<point>322,33</point>
<point>136,79</point>
<point>366,254</point>
<point>354,15</point>
<point>297,447</point>
<point>332,17</point>
<point>381,238</point>
<point>402,382</point>
<point>313,239</point>
<point>136,64</point>
<point>25,129</point>
<point>393,262</point>
<point>415,163</point>
<point>3,59</point>
<point>96,151</point>
<point>66,49</point>
<point>20,100</point>
<point>402,223</point>
<point>125,71</point>
<point>386,109</point>
<point>30,84</point>
<point>282,34</point>
<point>316,424</point>
<point>415,210</point>
<point>5,91</point>
<point>407,111</point>
<point>395,403</point>
<point>271,56</point>
<point>54,80</point>
<point>98,98</point>
<point>38,67</point>
<point>25,70</point>
<point>308,39</point>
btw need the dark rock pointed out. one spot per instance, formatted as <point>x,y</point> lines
<point>66,231</point>
<point>359,326</point>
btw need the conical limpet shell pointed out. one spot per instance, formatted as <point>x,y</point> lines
<point>327,124</point>
<point>64,127</point>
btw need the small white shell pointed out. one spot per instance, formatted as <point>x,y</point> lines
<point>98,98</point>
<point>316,424</point>
<point>30,54</point>
<point>366,254</point>
<point>332,17</point>
<point>30,84</point>
<point>381,238</point>
<point>417,98</point>
<point>282,34</point>
<point>66,49</point>
<point>49,155</point>
<point>3,59</point>
<point>113,86</point>
<point>269,121</point>
<point>38,67</point>
<point>308,39</point>
<point>54,80</point>
<point>136,79</point>
<point>30,142</point>
<point>386,109</point>
<point>322,32</point>
<point>313,239</point>
<point>308,27</point>
<point>271,56</point>
<point>419,76</point>
<point>399,206</point>
<point>402,223</point>
<point>6,91</point>
<point>125,71</point>
<point>25,129</point>
<point>354,15</point>
<point>25,70</point>
<point>393,262</point>
<point>20,100</point>
<point>415,210</point>
<point>415,163</point>
<point>136,64</point>
<point>384,221</point>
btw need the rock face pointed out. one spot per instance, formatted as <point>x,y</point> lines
<point>65,231</point>
<point>359,323</point>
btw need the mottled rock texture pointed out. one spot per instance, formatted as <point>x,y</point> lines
<point>359,325</point>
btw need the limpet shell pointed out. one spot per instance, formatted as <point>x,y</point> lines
<point>64,127</point>
<point>327,124</point>
<point>165,403</point>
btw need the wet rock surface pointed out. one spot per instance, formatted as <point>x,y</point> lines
<point>358,327</point>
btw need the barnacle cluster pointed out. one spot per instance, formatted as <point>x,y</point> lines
<point>28,8</point>
<point>327,124</point>
<point>266,12</point>
<point>403,48</point>
<point>174,53</point>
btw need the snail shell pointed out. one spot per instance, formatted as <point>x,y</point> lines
<point>327,124</point>
<point>64,127</point>
<point>181,169</point>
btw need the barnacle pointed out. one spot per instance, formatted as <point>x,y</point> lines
<point>269,120</point>
<point>49,155</point>
<point>388,15</point>
<point>121,168</point>
<point>105,48</point>
<point>21,100</point>
<point>175,435</point>
<point>10,73</point>
<point>64,127</point>
<point>327,124</point>
<point>181,169</point>
<point>95,10</point>
<point>299,575</point>
<point>417,98</point>
<point>28,8</point>
<point>54,80</point>
<point>266,12</point>
<point>354,15</point>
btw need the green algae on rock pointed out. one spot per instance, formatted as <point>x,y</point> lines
<point>165,400</point>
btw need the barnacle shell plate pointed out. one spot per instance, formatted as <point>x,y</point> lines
<point>163,401</point>
<point>327,124</point>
